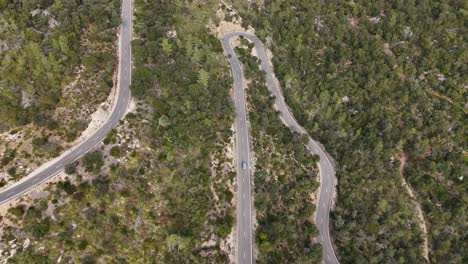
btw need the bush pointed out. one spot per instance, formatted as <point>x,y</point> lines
<point>70,169</point>
<point>67,186</point>
<point>142,79</point>
<point>88,259</point>
<point>93,161</point>
<point>116,151</point>
<point>12,171</point>
<point>75,129</point>
<point>41,228</point>
<point>52,124</point>
<point>9,155</point>
<point>224,230</point>
<point>82,244</point>
<point>111,137</point>
<point>17,211</point>
<point>38,142</point>
<point>41,120</point>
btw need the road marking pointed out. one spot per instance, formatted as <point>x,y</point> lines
<point>326,190</point>
<point>244,234</point>
<point>244,254</point>
<point>328,257</point>
<point>57,166</point>
<point>244,213</point>
<point>321,237</point>
<point>35,180</point>
<point>75,159</point>
<point>321,219</point>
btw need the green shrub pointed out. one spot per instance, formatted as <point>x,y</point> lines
<point>67,186</point>
<point>82,244</point>
<point>224,230</point>
<point>12,171</point>
<point>111,137</point>
<point>116,151</point>
<point>39,142</point>
<point>75,130</point>
<point>17,211</point>
<point>93,161</point>
<point>9,155</point>
<point>70,169</point>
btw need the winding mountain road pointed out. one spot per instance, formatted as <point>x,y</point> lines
<point>244,194</point>
<point>119,108</point>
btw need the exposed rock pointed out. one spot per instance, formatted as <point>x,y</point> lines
<point>26,243</point>
<point>269,41</point>
<point>171,34</point>
<point>407,33</point>
<point>53,23</point>
<point>36,12</point>
<point>4,47</point>
<point>375,19</point>
<point>441,77</point>
<point>318,23</point>
<point>26,99</point>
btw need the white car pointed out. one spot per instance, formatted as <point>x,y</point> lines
<point>244,164</point>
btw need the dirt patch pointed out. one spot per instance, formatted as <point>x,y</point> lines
<point>354,22</point>
<point>97,120</point>
<point>403,157</point>
<point>227,26</point>
<point>387,49</point>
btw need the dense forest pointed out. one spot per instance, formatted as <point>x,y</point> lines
<point>285,178</point>
<point>41,44</point>
<point>376,81</point>
<point>382,84</point>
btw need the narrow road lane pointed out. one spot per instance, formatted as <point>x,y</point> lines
<point>119,108</point>
<point>244,195</point>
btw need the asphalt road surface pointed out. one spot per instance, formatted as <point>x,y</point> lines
<point>244,196</point>
<point>244,204</point>
<point>119,108</point>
